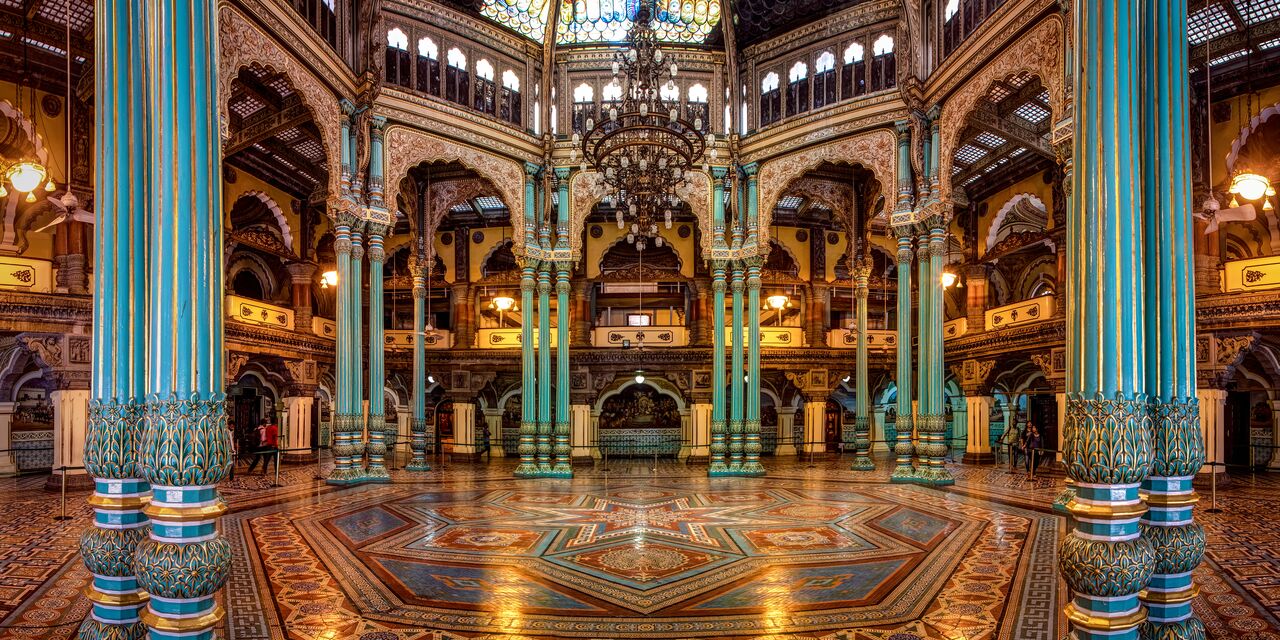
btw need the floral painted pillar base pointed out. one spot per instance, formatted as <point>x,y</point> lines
<point>862,445</point>
<point>418,444</point>
<point>751,466</point>
<point>903,451</point>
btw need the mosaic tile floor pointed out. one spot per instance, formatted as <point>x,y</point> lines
<point>812,551</point>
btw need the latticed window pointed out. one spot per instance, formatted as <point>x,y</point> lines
<point>510,107</point>
<point>884,68</point>
<point>798,89</point>
<point>696,108</point>
<point>457,80</point>
<point>428,67</point>
<point>584,107</point>
<point>397,71</point>
<point>770,99</point>
<point>853,74</point>
<point>824,80</point>
<point>486,91</point>
<point>960,18</point>
<point>321,16</point>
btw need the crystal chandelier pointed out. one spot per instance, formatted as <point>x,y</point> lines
<point>642,147</point>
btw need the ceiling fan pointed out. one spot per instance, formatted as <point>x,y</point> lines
<point>68,207</point>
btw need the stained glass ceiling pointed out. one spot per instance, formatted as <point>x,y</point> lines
<point>594,21</point>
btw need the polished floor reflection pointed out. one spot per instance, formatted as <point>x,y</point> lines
<point>812,551</point>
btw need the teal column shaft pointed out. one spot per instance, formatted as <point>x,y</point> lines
<point>355,380</point>
<point>1108,446</point>
<point>736,370</point>
<point>903,449</point>
<point>343,469</point>
<point>1178,449</point>
<point>344,149</point>
<point>939,431</point>
<point>904,166</point>
<point>186,449</point>
<point>861,420</point>
<point>751,436</point>
<point>377,470</point>
<point>418,427</point>
<point>544,369</point>
<point>719,446</point>
<point>563,468</point>
<point>924,364</point>
<point>528,447</point>
<point>119,334</point>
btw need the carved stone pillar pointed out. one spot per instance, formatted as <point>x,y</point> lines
<point>815,331</point>
<point>300,278</point>
<point>581,334</point>
<point>1208,261</point>
<point>464,316</point>
<point>975,286</point>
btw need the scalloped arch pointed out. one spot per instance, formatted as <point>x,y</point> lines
<point>244,45</point>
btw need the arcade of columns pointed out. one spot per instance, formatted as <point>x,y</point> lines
<point>158,444</point>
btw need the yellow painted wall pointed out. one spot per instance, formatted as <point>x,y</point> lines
<point>593,248</point>
<point>51,131</point>
<point>833,251</point>
<point>786,236</point>
<point>446,253</point>
<point>1225,133</point>
<point>1033,184</point>
<point>493,236</point>
<point>246,182</point>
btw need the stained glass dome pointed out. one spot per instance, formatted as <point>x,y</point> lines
<point>594,21</point>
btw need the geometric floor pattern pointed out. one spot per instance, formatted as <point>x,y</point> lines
<point>812,551</point>
<point>692,558</point>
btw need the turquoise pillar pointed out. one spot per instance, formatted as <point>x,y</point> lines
<point>924,365</point>
<point>903,449</point>
<point>185,449</point>
<point>418,426</point>
<point>719,445</point>
<point>563,467</point>
<point>119,332</point>
<point>861,420</point>
<point>528,447</point>
<point>355,295</point>
<point>545,427</point>
<point>1178,449</point>
<point>377,471</point>
<point>1105,560</point>
<point>937,430</point>
<point>736,371</point>
<point>344,470</point>
<point>751,428</point>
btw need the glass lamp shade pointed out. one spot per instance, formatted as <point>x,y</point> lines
<point>777,302</point>
<point>1250,186</point>
<point>26,176</point>
<point>329,279</point>
<point>948,279</point>
<point>503,303</point>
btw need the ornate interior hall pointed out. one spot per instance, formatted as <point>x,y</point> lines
<point>550,319</point>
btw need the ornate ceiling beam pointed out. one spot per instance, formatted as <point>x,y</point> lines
<point>266,125</point>
<point>985,119</point>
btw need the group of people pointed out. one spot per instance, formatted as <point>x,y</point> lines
<point>265,439</point>
<point>1023,445</point>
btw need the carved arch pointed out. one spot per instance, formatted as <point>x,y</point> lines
<point>621,382</point>
<point>244,45</point>
<point>875,150</point>
<point>586,191</point>
<point>1038,53</point>
<point>1011,207</point>
<point>407,148</point>
<point>282,221</point>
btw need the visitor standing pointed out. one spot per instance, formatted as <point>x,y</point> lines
<point>268,433</point>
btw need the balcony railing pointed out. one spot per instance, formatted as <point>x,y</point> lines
<point>1020,313</point>
<point>955,328</point>
<point>877,340</point>
<point>506,338</point>
<point>772,337</point>
<point>659,336</point>
<point>1258,274</point>
<point>21,274</point>
<point>256,312</point>
<point>324,328</point>
<point>404,339</point>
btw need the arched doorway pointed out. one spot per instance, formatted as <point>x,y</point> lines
<point>640,420</point>
<point>251,401</point>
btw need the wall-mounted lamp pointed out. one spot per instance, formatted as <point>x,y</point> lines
<point>949,278</point>
<point>328,279</point>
